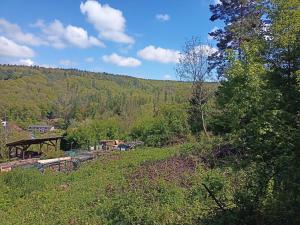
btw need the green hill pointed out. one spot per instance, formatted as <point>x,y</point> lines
<point>34,94</point>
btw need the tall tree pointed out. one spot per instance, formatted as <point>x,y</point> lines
<point>283,54</point>
<point>193,67</point>
<point>260,103</point>
<point>242,19</point>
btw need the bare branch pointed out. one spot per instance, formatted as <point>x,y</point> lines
<point>193,67</point>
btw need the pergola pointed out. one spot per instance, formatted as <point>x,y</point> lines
<point>20,148</point>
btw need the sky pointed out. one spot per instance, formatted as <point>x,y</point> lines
<point>140,38</point>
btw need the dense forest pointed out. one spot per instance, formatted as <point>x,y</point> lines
<point>228,153</point>
<point>35,94</point>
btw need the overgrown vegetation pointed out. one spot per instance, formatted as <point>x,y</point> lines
<point>259,105</point>
<point>146,186</point>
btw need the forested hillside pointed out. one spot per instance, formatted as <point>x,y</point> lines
<point>34,94</point>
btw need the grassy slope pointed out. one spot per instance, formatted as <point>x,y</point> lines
<point>146,186</point>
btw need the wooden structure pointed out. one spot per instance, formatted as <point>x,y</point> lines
<point>63,164</point>
<point>20,148</point>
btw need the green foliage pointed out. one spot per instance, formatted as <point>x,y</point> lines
<point>259,110</point>
<point>244,94</point>
<point>107,191</point>
<point>203,146</point>
<point>168,127</point>
<point>90,132</point>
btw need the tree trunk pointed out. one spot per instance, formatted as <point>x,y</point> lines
<point>203,124</point>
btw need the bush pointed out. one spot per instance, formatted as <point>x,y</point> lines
<point>168,127</point>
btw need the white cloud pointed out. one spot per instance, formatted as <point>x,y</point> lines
<point>47,65</point>
<point>109,22</point>
<point>217,2</point>
<point>212,30</point>
<point>167,77</point>
<point>163,17</point>
<point>158,54</point>
<point>25,62</point>
<point>121,61</point>
<point>11,49</point>
<point>14,32</point>
<point>60,36</point>
<point>67,63</point>
<point>79,37</point>
<point>54,33</point>
<point>29,62</point>
<point>89,59</point>
<point>96,42</point>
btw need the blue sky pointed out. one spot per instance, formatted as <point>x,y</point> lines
<point>140,38</point>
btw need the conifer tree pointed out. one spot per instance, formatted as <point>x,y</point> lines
<point>242,19</point>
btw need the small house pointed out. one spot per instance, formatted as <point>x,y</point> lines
<point>40,128</point>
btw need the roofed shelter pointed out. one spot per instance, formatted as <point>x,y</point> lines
<point>20,148</point>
